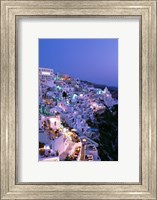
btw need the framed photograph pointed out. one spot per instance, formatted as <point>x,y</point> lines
<point>78,99</point>
<point>77,112</point>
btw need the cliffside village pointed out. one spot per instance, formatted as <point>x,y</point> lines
<point>66,105</point>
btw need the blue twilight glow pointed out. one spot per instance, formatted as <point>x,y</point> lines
<point>93,60</point>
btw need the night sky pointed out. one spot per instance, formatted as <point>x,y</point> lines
<point>94,60</point>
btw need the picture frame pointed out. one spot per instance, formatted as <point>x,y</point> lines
<point>10,187</point>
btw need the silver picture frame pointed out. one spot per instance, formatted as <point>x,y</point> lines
<point>10,12</point>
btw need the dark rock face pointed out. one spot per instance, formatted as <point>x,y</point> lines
<point>107,124</point>
<point>114,92</point>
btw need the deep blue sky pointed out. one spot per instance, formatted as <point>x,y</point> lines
<point>94,60</point>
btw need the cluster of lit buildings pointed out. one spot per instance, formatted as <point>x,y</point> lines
<point>65,106</point>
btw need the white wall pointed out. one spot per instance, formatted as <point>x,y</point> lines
<point>59,144</point>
